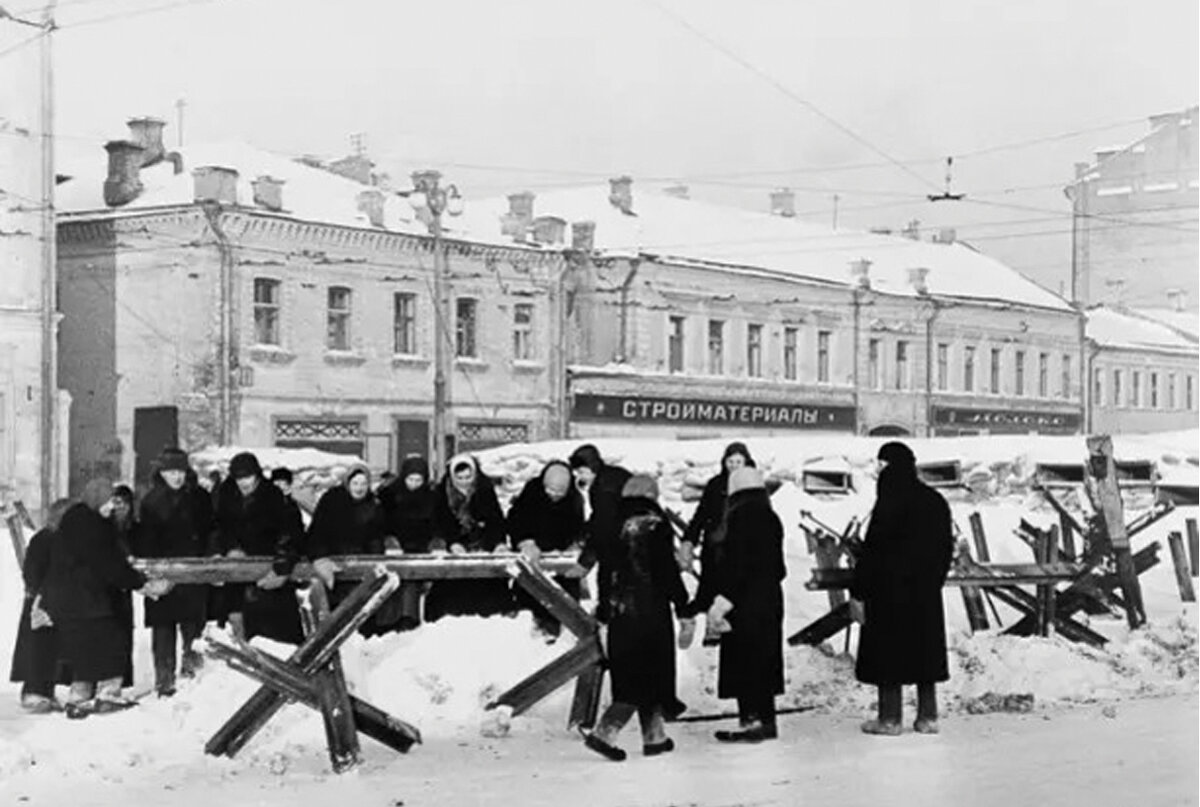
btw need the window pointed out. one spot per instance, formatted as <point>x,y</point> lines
<point>675,344</point>
<point>1189,392</point>
<point>1019,372</point>
<point>943,366</point>
<point>1043,375</point>
<point>404,324</point>
<point>523,332</point>
<point>823,356</point>
<point>1154,390</point>
<point>791,345</point>
<point>968,369</point>
<point>874,381</point>
<point>754,351</point>
<point>1098,387</point>
<point>994,380</point>
<point>1135,389</point>
<point>266,311</point>
<point>902,365</point>
<point>1065,391</point>
<point>1116,390</point>
<point>465,328</point>
<point>1172,397</point>
<point>337,335</point>
<point>716,347</point>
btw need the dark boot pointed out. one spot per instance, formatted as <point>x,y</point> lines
<point>887,723</point>
<point>162,645</point>
<point>927,711</point>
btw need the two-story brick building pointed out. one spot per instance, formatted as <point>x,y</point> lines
<point>222,294</point>
<point>688,319</point>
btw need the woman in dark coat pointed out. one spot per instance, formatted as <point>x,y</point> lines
<point>547,516</point>
<point>35,654</point>
<point>348,520</point>
<point>643,584</point>
<point>125,522</point>
<point>177,522</point>
<point>254,518</point>
<point>749,598</point>
<point>467,518</point>
<point>87,569</point>
<point>897,589</point>
<point>707,529</point>
<point>601,485</point>
<point>408,503</point>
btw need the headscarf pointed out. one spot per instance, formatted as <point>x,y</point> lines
<point>587,456</point>
<point>96,492</point>
<point>737,448</point>
<point>458,495</point>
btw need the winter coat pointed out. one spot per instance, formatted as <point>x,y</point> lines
<point>899,576</point>
<point>751,655</point>
<point>343,526</point>
<point>176,524</point>
<point>408,514</point>
<point>707,530</point>
<point>642,585</point>
<point>555,526</point>
<point>262,524</point>
<point>604,525</point>
<point>87,568</point>
<point>34,656</point>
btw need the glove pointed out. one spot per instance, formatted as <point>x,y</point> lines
<point>685,556</point>
<point>326,570</point>
<point>530,550</point>
<point>38,617</point>
<point>391,547</point>
<point>502,549</point>
<point>271,581</point>
<point>687,632</point>
<point>717,613</point>
<point>457,549</point>
<point>156,588</point>
<point>235,553</point>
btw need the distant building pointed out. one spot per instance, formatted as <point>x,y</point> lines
<point>691,320</point>
<point>1135,215</point>
<point>222,294</point>
<point>1144,373</point>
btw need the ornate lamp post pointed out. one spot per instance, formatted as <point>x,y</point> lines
<point>432,201</point>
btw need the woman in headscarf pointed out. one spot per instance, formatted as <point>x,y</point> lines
<point>897,593</point>
<point>35,654</point>
<point>408,502</point>
<point>643,584</point>
<point>707,529</point>
<point>126,529</point>
<point>87,569</point>
<point>467,518</point>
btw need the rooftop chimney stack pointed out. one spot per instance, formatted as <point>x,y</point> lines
<point>549,230</point>
<point>912,230</point>
<point>946,235</point>
<point>356,167</point>
<point>215,183</point>
<point>620,194</point>
<point>1177,298</point>
<point>124,163</point>
<point>677,191</point>
<point>783,203</point>
<point>918,279</point>
<point>268,192</point>
<point>370,203</point>
<point>860,273</point>
<point>583,236</point>
<point>148,133</point>
<point>519,218</point>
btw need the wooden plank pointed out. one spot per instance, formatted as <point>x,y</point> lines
<point>1103,488</point>
<point>980,537</point>
<point>1065,519</point>
<point>1193,546</point>
<point>533,688</point>
<point>972,597</point>
<point>1183,577</point>
<point>341,737</point>
<point>312,654</point>
<point>23,512</point>
<point>291,682</point>
<point>1027,603</point>
<point>585,704</point>
<point>980,575</point>
<point>17,533</point>
<point>821,629</point>
<point>1046,595</point>
<point>561,605</point>
<point>354,567</point>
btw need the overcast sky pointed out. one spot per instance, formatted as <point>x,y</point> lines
<point>732,98</point>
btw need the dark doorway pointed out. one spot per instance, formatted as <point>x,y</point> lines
<point>889,431</point>
<point>154,428</point>
<point>412,437</point>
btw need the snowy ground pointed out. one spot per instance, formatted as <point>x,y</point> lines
<point>1101,719</point>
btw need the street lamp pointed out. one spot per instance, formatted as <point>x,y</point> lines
<point>429,198</point>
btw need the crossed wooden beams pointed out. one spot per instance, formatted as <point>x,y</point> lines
<point>313,674</point>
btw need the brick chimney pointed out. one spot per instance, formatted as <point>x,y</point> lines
<point>215,183</point>
<point>946,235</point>
<point>783,203</point>
<point>677,191</point>
<point>356,167</point>
<point>860,273</point>
<point>1177,298</point>
<point>912,230</point>
<point>549,229</point>
<point>620,194</point>
<point>148,133</point>
<point>917,278</point>
<point>370,203</point>
<point>583,236</point>
<point>268,192</point>
<point>124,163</point>
<point>519,218</point>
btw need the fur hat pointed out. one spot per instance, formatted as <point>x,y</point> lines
<point>244,464</point>
<point>414,464</point>
<point>173,459</point>
<point>746,478</point>
<point>282,475</point>
<point>640,486</point>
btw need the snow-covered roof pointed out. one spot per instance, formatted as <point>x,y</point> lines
<point>1110,327</point>
<point>687,230</point>
<point>1187,322</point>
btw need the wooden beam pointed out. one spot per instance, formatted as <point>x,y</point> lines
<point>550,677</point>
<point>822,628</point>
<point>981,546</point>
<point>561,605</point>
<point>1104,490</point>
<point>585,704</point>
<point>1026,603</point>
<point>974,574</point>
<point>972,596</point>
<point>1183,577</point>
<point>341,737</point>
<point>353,567</point>
<point>17,533</point>
<point>1193,546</point>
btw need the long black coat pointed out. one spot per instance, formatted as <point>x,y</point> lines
<point>87,568</point>
<point>707,530</point>
<point>262,524</point>
<point>555,526</point>
<point>642,585</point>
<point>35,653</point>
<point>603,528</point>
<point>408,515</point>
<point>176,524</point>
<point>751,571</point>
<point>899,577</point>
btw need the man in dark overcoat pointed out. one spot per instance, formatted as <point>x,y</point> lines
<point>897,592</point>
<point>177,521</point>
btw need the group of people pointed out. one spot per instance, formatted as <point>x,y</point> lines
<point>77,620</point>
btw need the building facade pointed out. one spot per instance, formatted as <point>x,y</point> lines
<point>293,310</point>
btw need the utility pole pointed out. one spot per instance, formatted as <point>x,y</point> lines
<point>179,105</point>
<point>49,376</point>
